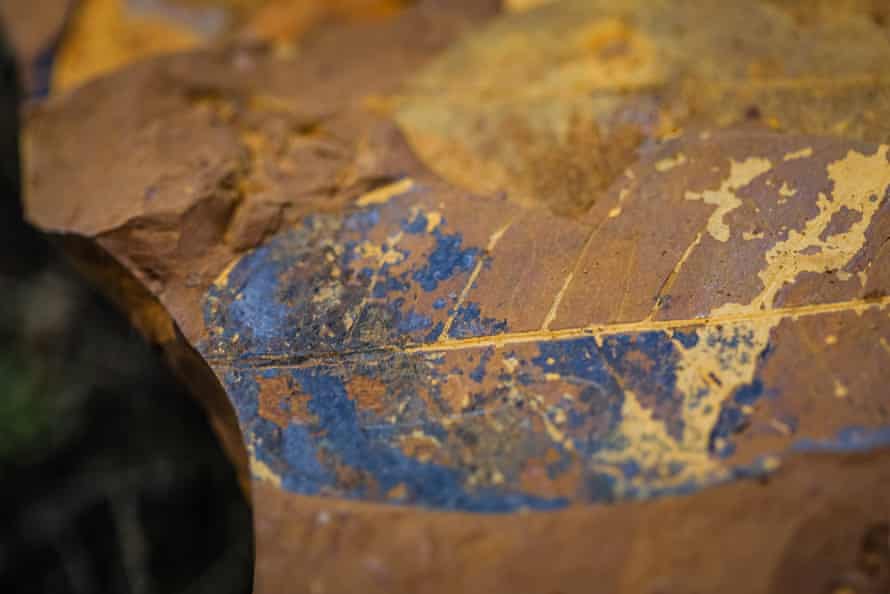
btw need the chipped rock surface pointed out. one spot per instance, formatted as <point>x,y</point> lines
<point>580,293</point>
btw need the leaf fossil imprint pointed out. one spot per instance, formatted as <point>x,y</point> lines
<point>419,361</point>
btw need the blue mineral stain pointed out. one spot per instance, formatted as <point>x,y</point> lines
<point>387,284</point>
<point>363,220</point>
<point>732,418</point>
<point>581,359</point>
<point>849,439</point>
<point>478,374</point>
<point>417,225</point>
<point>629,469</point>
<point>601,398</point>
<point>266,435</point>
<point>600,487</point>
<point>687,339</point>
<point>252,309</point>
<point>435,333</point>
<point>730,421</point>
<point>300,451</point>
<point>739,337</point>
<point>244,393</point>
<point>647,364</point>
<point>381,465</point>
<point>413,322</point>
<point>447,259</point>
<point>749,393</point>
<point>561,465</point>
<point>468,323</point>
<point>268,306</point>
<point>350,253</point>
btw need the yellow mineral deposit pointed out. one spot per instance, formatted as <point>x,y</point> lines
<point>724,198</point>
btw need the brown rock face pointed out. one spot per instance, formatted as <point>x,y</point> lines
<point>589,296</point>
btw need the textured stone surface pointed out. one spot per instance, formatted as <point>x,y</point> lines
<point>608,279</point>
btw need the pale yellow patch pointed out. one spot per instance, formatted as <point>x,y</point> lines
<point>831,339</point>
<point>801,154</point>
<point>856,178</point>
<point>615,212</point>
<point>223,279</point>
<point>724,198</point>
<point>386,193</point>
<point>786,190</point>
<point>771,463</point>
<point>328,293</point>
<point>708,374</point>
<point>372,250</point>
<point>433,220</point>
<point>261,470</point>
<point>840,390</point>
<point>524,5</point>
<point>609,54</point>
<point>670,162</point>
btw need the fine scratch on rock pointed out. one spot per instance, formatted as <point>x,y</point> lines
<point>554,307</point>
<point>672,277</point>
<point>551,315</point>
<point>631,257</point>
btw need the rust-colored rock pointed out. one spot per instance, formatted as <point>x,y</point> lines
<point>591,296</point>
<point>107,34</point>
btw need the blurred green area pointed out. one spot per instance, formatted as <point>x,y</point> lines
<point>25,414</point>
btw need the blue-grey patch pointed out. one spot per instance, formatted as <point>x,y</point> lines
<point>447,259</point>
<point>652,372</point>
<point>478,374</point>
<point>381,466</point>
<point>850,439</point>
<point>362,220</point>
<point>417,225</point>
<point>435,333</point>
<point>687,339</point>
<point>468,323</point>
<point>300,450</point>
<point>732,418</point>
<point>412,321</point>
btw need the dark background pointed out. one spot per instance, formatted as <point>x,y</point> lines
<point>110,477</point>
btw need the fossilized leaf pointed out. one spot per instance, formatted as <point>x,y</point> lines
<point>434,349</point>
